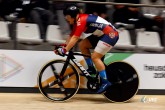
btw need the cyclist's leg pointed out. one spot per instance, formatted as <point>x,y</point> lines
<point>96,58</point>
<point>104,45</point>
<point>88,43</point>
<point>85,46</point>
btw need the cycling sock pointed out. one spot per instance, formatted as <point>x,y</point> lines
<point>89,62</point>
<point>103,76</point>
<point>105,82</point>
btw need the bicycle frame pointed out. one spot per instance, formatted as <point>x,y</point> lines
<point>70,56</point>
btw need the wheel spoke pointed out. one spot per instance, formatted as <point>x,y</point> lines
<point>53,83</point>
<point>63,90</point>
<point>67,76</point>
<point>54,72</point>
<point>59,80</point>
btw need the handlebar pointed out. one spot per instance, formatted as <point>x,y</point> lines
<point>70,51</point>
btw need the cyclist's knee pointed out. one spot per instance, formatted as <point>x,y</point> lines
<point>95,58</point>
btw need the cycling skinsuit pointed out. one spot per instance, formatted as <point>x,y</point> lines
<point>100,28</point>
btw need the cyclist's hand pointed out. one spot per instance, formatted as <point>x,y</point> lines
<point>59,46</point>
<point>60,51</point>
<point>62,45</point>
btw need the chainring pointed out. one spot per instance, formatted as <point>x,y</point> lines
<point>93,84</point>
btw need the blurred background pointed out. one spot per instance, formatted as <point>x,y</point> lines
<point>40,24</point>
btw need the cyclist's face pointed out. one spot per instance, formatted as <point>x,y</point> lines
<point>69,19</point>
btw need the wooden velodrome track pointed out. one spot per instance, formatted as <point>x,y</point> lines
<point>35,101</point>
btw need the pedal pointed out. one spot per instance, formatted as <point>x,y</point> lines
<point>93,84</point>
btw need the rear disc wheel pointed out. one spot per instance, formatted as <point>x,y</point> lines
<point>125,82</point>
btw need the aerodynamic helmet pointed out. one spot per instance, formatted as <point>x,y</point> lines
<point>71,10</point>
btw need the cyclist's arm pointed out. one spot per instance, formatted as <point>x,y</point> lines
<point>67,40</point>
<point>72,41</point>
<point>77,31</point>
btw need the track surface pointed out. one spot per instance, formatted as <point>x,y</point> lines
<point>24,101</point>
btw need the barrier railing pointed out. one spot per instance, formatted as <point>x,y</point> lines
<point>110,3</point>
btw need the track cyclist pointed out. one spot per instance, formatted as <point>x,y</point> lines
<point>102,39</point>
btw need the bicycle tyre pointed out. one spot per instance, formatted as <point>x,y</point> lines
<point>125,82</point>
<point>56,87</point>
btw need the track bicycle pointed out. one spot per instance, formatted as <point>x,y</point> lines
<point>59,79</point>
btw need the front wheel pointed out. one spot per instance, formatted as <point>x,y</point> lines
<point>57,86</point>
<point>125,82</point>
